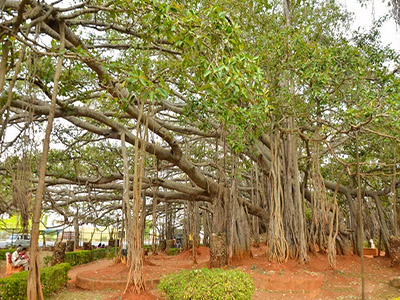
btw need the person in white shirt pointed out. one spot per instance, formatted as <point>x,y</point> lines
<point>19,258</point>
<point>371,241</point>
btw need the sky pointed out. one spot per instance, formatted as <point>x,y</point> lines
<point>371,11</point>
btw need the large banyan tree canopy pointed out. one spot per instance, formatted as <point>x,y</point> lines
<point>254,115</point>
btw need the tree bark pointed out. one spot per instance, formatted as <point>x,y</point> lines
<point>76,231</point>
<point>126,211</point>
<point>294,219</point>
<point>218,239</point>
<point>34,289</point>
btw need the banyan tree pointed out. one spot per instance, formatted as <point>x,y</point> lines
<point>238,118</point>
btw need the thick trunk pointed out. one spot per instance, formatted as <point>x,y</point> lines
<point>343,244</point>
<point>383,225</point>
<point>276,241</point>
<point>218,253</point>
<point>58,253</point>
<point>294,219</point>
<point>241,242</point>
<point>206,227</point>
<point>355,238</point>
<point>218,243</point>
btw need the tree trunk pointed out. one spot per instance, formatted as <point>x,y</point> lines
<point>355,238</point>
<point>383,225</point>
<point>256,197</point>
<point>196,231</point>
<point>294,219</point>
<point>126,206</point>
<point>34,288</point>
<point>154,211</point>
<point>154,223</point>
<point>218,243</point>
<point>58,253</point>
<point>70,246</point>
<point>206,227</point>
<point>135,277</point>
<point>44,240</point>
<point>276,240</point>
<point>76,232</point>
<point>186,225</point>
<point>168,218</point>
<point>394,199</point>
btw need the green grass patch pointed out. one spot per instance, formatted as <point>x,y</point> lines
<point>207,284</point>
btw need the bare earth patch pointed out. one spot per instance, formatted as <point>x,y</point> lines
<point>315,280</point>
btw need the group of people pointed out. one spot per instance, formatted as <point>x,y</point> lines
<point>20,258</point>
<point>100,245</point>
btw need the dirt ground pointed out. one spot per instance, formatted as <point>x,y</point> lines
<point>316,280</point>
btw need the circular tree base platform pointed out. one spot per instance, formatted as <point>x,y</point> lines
<point>87,283</point>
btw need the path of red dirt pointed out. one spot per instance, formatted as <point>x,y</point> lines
<point>315,280</point>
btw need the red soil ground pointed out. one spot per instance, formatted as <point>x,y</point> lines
<point>315,280</point>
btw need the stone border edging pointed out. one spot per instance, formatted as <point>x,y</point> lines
<point>96,284</point>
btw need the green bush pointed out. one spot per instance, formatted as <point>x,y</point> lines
<point>84,256</point>
<point>52,279</point>
<point>172,251</point>
<point>113,252</point>
<point>99,253</point>
<point>207,284</point>
<point>78,257</point>
<point>47,260</point>
<point>3,253</point>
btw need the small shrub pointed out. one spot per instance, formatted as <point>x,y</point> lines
<point>99,253</point>
<point>207,284</point>
<point>172,251</point>
<point>3,253</point>
<point>114,249</point>
<point>80,257</point>
<point>47,260</point>
<point>113,252</point>
<point>52,279</point>
<point>77,257</point>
